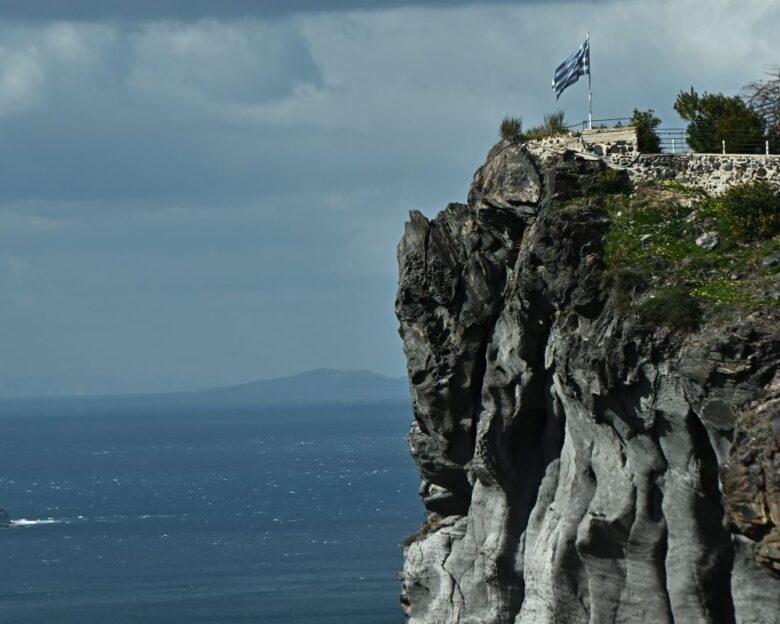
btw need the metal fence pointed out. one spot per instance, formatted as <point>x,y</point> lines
<point>601,124</point>
<point>675,140</point>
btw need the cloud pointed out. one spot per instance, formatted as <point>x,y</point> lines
<point>150,10</point>
<point>104,110</point>
<point>222,63</point>
<point>22,81</point>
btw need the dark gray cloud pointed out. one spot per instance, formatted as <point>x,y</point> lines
<point>194,9</point>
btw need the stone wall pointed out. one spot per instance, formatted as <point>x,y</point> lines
<point>617,144</point>
<point>713,173</point>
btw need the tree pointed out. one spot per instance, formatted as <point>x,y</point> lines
<point>648,141</point>
<point>713,118</point>
<point>764,97</point>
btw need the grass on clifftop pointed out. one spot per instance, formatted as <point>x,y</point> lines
<point>511,128</point>
<point>658,271</point>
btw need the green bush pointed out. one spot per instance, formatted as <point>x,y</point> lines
<point>609,181</point>
<point>624,283</point>
<point>673,307</point>
<point>646,122</point>
<point>511,129</point>
<point>749,212</point>
<point>554,124</point>
<point>713,118</point>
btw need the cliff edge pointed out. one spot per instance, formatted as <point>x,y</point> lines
<point>595,444</point>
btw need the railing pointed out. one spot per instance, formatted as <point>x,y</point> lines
<point>675,140</point>
<point>602,124</point>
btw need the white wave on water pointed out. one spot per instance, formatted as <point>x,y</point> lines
<point>24,522</point>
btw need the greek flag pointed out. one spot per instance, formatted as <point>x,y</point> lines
<point>569,72</point>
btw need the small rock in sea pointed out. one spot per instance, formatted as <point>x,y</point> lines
<point>5,519</point>
<point>708,241</point>
<point>771,261</point>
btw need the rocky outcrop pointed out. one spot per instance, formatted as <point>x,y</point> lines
<point>577,466</point>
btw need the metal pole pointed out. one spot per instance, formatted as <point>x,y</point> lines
<point>673,146</point>
<point>724,146</point>
<point>766,144</point>
<point>590,89</point>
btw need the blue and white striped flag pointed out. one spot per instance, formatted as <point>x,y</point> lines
<point>569,72</point>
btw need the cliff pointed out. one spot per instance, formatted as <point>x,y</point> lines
<point>595,444</point>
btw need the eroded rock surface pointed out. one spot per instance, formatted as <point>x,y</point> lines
<point>577,466</point>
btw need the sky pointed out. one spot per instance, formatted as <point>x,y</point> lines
<point>212,191</point>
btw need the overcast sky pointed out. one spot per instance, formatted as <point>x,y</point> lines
<point>213,190</point>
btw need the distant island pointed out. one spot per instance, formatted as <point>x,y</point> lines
<point>320,385</point>
<point>315,386</point>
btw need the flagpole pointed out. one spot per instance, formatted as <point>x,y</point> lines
<point>590,90</point>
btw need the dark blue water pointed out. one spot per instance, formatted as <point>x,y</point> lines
<point>167,515</point>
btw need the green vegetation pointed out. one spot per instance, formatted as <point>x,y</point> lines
<point>656,270</point>
<point>750,212</point>
<point>554,124</point>
<point>713,118</point>
<point>610,181</point>
<point>625,283</point>
<point>646,122</point>
<point>511,129</point>
<point>674,307</point>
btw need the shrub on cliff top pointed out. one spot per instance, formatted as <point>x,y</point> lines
<point>749,212</point>
<point>645,122</point>
<point>553,125</point>
<point>511,129</point>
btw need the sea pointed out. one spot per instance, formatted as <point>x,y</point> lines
<point>135,511</point>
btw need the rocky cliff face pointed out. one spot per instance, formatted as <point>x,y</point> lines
<point>577,465</point>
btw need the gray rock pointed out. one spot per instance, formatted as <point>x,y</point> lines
<point>771,261</point>
<point>5,519</point>
<point>574,455</point>
<point>708,240</point>
<point>509,179</point>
